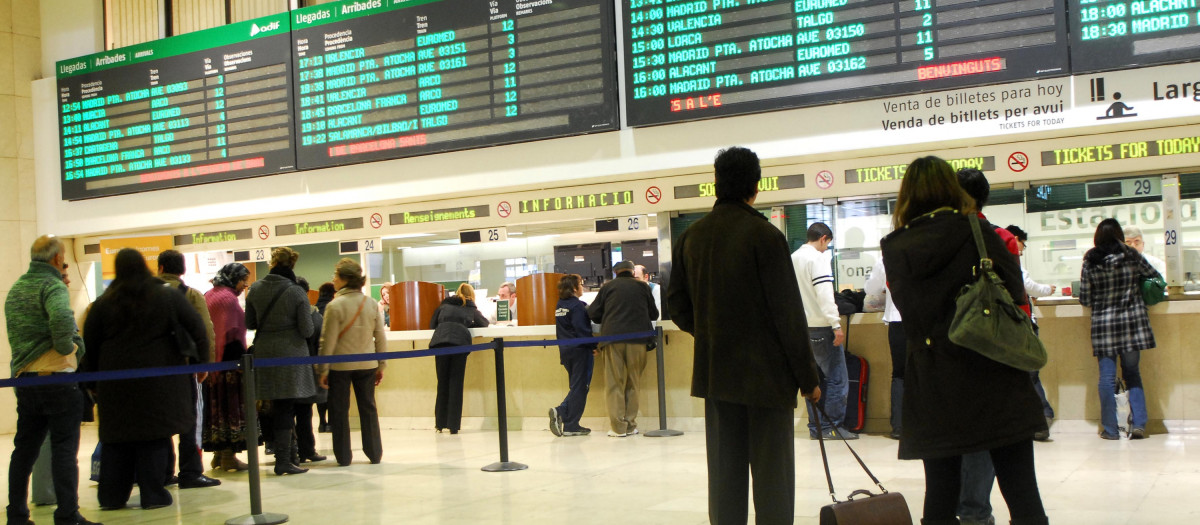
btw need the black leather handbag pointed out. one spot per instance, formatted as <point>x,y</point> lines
<point>885,508</point>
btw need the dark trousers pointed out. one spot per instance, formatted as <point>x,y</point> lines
<point>306,441</point>
<point>447,410</point>
<point>579,365</point>
<point>55,410</point>
<point>898,345</point>
<point>283,420</point>
<point>191,464</point>
<point>363,383</point>
<point>1014,473</point>
<point>143,461</point>
<point>761,440</point>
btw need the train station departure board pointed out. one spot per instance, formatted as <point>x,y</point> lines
<point>378,79</point>
<point>1119,34</point>
<point>707,58</point>
<point>206,106</point>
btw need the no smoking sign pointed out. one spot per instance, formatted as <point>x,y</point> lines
<point>1018,161</point>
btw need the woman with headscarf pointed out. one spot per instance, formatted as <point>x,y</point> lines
<point>133,325</point>
<point>278,310</point>
<point>224,415</point>
<point>353,325</point>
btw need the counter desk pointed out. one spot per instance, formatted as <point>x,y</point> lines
<point>536,381</point>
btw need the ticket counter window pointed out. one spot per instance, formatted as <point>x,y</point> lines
<point>1061,220</point>
<point>443,258</point>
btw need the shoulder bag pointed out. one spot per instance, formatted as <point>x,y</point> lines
<point>987,321</point>
<point>886,508</point>
<point>270,305</point>
<point>1154,290</point>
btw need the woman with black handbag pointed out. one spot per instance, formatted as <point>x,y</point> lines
<point>956,401</point>
<point>1111,284</point>
<point>224,413</point>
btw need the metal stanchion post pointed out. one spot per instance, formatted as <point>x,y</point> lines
<point>256,516</point>
<point>502,413</point>
<point>662,431</point>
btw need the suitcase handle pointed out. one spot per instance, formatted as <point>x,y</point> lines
<point>825,460</point>
<point>860,492</point>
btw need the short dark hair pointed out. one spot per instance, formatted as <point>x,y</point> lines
<point>1017,232</point>
<point>170,261</point>
<point>975,183</point>
<point>568,284</point>
<point>737,174</point>
<point>818,230</point>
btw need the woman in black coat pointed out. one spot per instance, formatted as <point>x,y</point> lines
<point>131,326</point>
<point>955,400</point>
<point>451,323</point>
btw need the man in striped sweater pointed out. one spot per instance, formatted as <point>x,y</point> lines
<point>814,274</point>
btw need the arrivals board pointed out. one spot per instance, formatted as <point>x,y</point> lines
<point>386,79</point>
<point>206,106</point>
<point>707,58</point>
<point>1119,34</point>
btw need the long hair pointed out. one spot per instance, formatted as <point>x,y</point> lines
<point>467,292</point>
<point>929,183</point>
<point>131,287</point>
<point>1108,239</point>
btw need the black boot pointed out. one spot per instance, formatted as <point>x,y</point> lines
<point>283,459</point>
<point>951,521</point>
<point>1043,520</point>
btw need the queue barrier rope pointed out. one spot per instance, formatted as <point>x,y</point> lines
<point>249,364</point>
<point>270,362</point>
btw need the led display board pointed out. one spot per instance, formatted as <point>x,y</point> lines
<point>378,80</point>
<point>707,58</point>
<point>206,106</point>
<point>1119,34</point>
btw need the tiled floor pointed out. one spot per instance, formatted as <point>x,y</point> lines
<point>436,479</point>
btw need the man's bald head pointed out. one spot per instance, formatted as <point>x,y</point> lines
<point>46,248</point>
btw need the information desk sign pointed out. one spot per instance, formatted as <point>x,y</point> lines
<point>206,106</point>
<point>705,58</point>
<point>1118,34</point>
<point>379,80</point>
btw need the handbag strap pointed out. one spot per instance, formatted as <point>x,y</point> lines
<point>985,263</point>
<point>271,304</point>
<point>352,319</point>
<point>825,460</point>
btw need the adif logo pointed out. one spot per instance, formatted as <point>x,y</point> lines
<point>254,29</point>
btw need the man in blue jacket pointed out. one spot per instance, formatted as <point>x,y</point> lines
<point>733,288</point>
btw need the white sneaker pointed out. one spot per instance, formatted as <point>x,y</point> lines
<point>556,425</point>
<point>633,432</point>
<point>612,434</point>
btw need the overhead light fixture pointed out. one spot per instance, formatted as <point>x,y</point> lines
<point>408,236</point>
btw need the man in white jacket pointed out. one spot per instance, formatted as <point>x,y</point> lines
<point>814,274</point>
<point>877,285</point>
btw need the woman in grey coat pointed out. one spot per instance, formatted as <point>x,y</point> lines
<point>279,312</point>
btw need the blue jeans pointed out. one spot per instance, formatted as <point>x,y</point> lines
<point>1133,382</point>
<point>57,410</point>
<point>1047,410</point>
<point>832,362</point>
<point>579,365</point>
<point>975,496</point>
